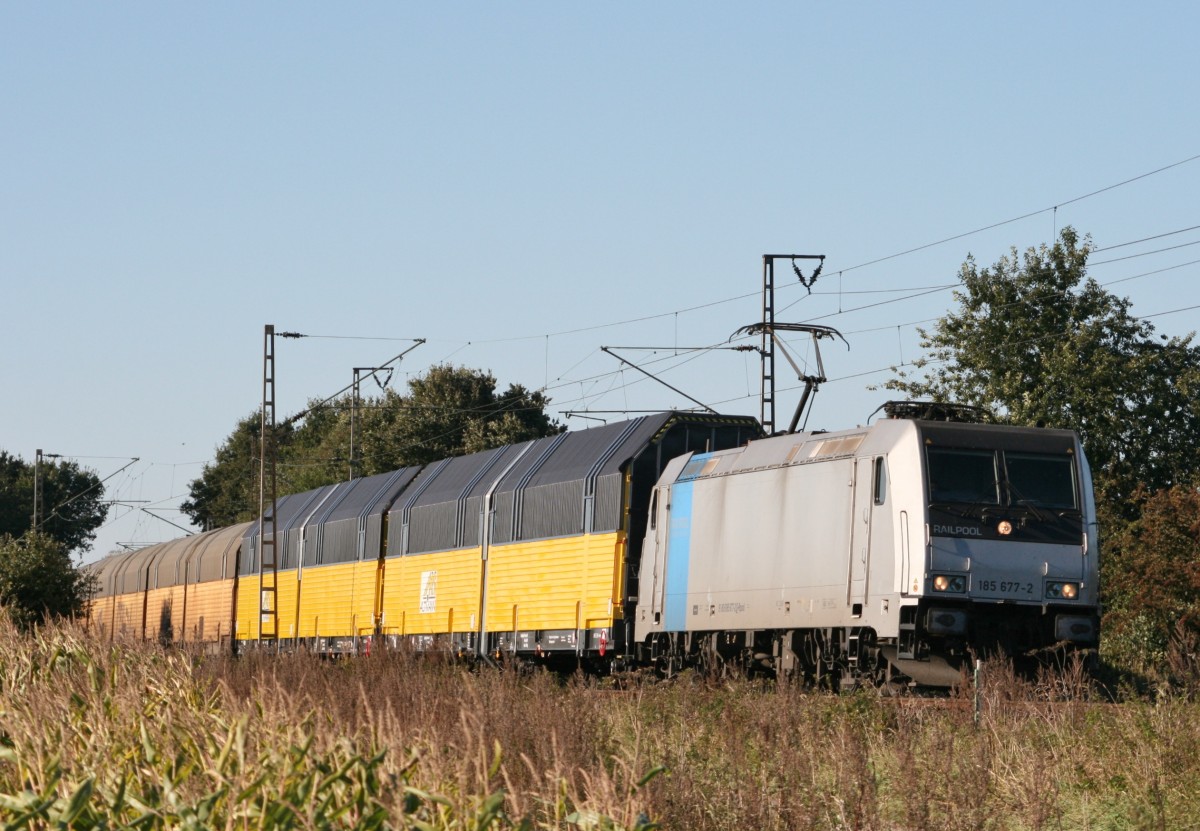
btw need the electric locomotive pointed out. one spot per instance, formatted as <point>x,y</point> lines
<point>898,550</point>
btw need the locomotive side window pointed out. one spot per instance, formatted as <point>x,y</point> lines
<point>963,476</point>
<point>1044,481</point>
<point>880,481</point>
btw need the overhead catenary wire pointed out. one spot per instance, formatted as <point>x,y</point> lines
<point>841,272</point>
<point>935,361</point>
<point>1146,239</point>
<point>919,291</point>
<point>909,294</point>
<point>701,349</point>
<point>865,264</point>
<point>1145,253</point>
<point>924,290</point>
<point>889,327</point>
<point>1028,215</point>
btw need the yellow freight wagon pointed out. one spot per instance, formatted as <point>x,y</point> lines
<point>165,587</point>
<point>209,567</point>
<point>176,592</point>
<point>128,612</point>
<point>570,584</point>
<point>529,550</point>
<point>268,584</point>
<point>327,584</point>
<point>433,566</point>
<point>432,594</point>
<point>524,549</point>
<point>341,562</point>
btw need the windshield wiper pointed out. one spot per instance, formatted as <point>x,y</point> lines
<point>1025,502</point>
<point>964,511</point>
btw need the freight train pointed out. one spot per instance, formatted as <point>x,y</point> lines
<point>894,551</point>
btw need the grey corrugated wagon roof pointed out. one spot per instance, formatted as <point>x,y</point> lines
<point>209,555</point>
<point>455,478</point>
<point>508,454</point>
<point>132,572</point>
<point>107,570</point>
<point>215,554</point>
<point>169,565</point>
<point>596,451</point>
<point>568,483</point>
<point>572,483</point>
<point>349,524</point>
<point>367,495</point>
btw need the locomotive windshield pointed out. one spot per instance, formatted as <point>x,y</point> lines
<point>963,476</point>
<point>987,477</point>
<point>1044,481</point>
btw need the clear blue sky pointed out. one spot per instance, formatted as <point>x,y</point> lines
<point>507,179</point>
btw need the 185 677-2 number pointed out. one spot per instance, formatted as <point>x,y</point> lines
<point>1005,586</point>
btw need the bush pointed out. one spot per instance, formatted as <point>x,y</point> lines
<point>38,580</point>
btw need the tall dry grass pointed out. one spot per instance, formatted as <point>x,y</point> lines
<point>104,735</point>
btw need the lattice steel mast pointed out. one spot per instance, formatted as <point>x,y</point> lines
<point>268,561</point>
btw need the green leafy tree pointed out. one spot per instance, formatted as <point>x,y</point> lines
<point>1152,577</point>
<point>1038,342</point>
<point>72,504</point>
<point>317,452</point>
<point>449,411</point>
<point>39,581</point>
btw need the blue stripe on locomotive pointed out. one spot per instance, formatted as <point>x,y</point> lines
<point>678,555</point>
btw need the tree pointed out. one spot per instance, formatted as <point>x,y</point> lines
<point>38,579</point>
<point>449,411</point>
<point>72,500</point>
<point>1152,578</point>
<point>1038,342</point>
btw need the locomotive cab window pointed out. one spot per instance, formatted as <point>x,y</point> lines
<point>880,481</point>
<point>1041,480</point>
<point>963,476</point>
<point>987,477</point>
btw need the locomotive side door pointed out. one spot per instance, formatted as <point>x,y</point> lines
<point>657,536</point>
<point>860,531</point>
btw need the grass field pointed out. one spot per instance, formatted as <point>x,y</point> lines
<point>103,735</point>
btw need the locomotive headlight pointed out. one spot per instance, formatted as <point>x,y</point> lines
<point>1062,591</point>
<point>949,583</point>
<point>1004,528</point>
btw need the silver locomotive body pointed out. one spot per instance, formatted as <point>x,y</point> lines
<point>904,547</point>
